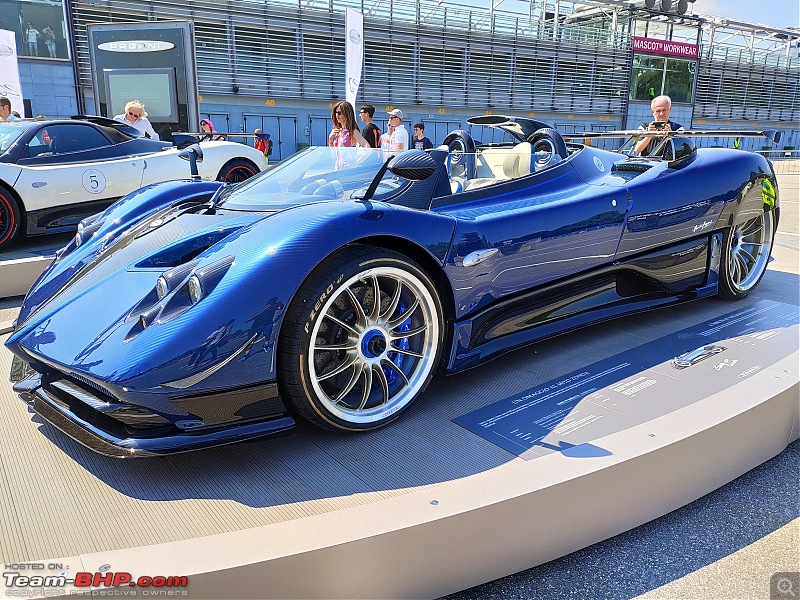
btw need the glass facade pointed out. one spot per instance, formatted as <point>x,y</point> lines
<point>655,75</point>
<point>39,25</point>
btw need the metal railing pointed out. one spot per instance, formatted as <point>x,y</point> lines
<point>783,161</point>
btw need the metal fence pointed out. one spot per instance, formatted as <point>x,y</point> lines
<point>785,162</point>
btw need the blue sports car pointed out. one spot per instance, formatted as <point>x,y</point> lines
<point>331,288</point>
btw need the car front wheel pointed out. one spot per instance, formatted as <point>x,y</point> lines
<point>747,249</point>
<point>361,340</point>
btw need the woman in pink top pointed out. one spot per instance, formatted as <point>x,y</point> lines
<point>345,131</point>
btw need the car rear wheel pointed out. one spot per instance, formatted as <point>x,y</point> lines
<point>237,170</point>
<point>9,217</point>
<point>747,249</point>
<point>361,340</point>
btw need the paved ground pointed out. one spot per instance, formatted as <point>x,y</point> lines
<point>725,545</point>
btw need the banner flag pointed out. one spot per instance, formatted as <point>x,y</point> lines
<point>354,55</point>
<point>9,71</point>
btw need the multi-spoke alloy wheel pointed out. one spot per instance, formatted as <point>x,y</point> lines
<point>747,250</point>
<point>367,340</point>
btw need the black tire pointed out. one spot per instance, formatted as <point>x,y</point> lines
<point>745,255</point>
<point>10,217</point>
<point>236,170</point>
<point>549,140</point>
<point>345,363</point>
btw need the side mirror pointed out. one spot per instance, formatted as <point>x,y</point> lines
<point>678,150</point>
<point>194,154</point>
<point>414,165</point>
<point>184,140</point>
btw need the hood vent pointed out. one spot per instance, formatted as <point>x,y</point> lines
<point>185,250</point>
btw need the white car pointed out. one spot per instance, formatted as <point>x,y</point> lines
<point>53,173</point>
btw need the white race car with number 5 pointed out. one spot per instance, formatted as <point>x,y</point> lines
<point>53,173</point>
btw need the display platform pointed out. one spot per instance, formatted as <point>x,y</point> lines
<point>21,264</point>
<point>426,506</point>
<point>638,385</point>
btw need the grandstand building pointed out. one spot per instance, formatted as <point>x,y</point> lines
<point>582,66</point>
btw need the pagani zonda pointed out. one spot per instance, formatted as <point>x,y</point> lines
<point>53,173</point>
<point>332,287</point>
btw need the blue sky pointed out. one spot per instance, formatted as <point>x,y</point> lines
<point>777,13</point>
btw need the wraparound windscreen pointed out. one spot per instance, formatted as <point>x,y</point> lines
<point>154,87</point>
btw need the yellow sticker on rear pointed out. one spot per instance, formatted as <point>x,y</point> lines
<point>768,193</point>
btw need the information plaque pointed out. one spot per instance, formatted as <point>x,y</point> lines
<point>567,414</point>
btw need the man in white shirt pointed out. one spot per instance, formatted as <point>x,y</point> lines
<point>32,35</point>
<point>399,138</point>
<point>136,116</point>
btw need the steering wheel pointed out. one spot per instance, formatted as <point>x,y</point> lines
<point>461,154</point>
<point>548,140</point>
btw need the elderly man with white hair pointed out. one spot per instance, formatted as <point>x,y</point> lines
<point>660,106</point>
<point>136,116</point>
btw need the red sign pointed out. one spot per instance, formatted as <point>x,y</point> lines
<point>665,47</point>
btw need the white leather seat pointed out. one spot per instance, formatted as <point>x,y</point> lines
<point>474,184</point>
<point>518,161</point>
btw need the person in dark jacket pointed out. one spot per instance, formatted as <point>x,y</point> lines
<point>661,107</point>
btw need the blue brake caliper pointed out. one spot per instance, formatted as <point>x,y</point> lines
<point>402,343</point>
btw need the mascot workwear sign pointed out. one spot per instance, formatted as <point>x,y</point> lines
<point>354,55</point>
<point>9,72</point>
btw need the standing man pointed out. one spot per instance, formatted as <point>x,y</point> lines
<point>419,141</point>
<point>32,37</point>
<point>371,132</point>
<point>263,143</point>
<point>660,106</point>
<point>399,139</point>
<point>5,110</point>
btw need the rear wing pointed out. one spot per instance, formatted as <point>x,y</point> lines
<point>125,128</point>
<point>632,136</point>
<point>773,135</point>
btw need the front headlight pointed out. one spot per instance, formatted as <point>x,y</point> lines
<point>195,289</point>
<point>162,288</point>
<point>87,228</point>
<point>205,279</point>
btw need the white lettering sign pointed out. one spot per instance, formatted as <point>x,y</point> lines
<point>136,46</point>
